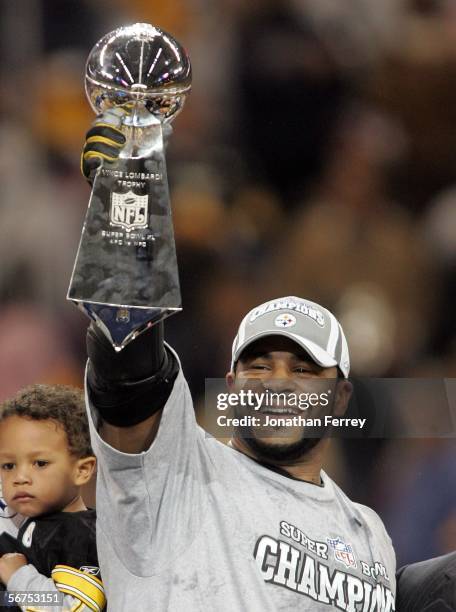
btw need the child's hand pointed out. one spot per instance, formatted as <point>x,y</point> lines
<point>9,564</point>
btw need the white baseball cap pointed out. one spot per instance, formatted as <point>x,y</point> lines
<point>310,325</point>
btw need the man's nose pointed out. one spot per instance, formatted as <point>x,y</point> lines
<point>280,379</point>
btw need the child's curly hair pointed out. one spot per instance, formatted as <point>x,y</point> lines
<point>59,403</point>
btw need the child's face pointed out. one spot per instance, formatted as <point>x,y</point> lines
<point>38,472</point>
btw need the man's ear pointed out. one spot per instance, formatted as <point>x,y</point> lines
<point>344,389</point>
<point>230,378</point>
<point>84,470</point>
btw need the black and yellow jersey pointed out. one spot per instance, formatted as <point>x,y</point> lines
<point>60,546</point>
<point>67,538</point>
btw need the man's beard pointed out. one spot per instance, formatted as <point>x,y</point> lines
<point>288,452</point>
<point>281,454</point>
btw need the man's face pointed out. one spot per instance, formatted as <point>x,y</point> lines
<point>283,371</point>
<point>38,471</point>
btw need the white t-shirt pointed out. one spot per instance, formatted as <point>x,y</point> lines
<point>194,525</point>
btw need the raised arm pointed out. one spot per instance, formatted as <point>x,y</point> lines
<point>129,388</point>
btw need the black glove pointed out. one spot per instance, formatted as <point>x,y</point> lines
<point>129,386</point>
<point>104,140</point>
<point>142,358</point>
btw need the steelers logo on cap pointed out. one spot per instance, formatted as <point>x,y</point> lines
<point>285,320</point>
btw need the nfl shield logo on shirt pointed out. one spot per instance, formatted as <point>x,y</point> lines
<point>342,552</point>
<point>129,210</point>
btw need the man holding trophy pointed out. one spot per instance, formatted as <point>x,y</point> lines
<point>184,521</point>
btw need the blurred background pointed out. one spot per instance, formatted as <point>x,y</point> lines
<point>314,157</point>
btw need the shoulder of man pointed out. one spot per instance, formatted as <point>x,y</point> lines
<point>365,513</point>
<point>370,516</point>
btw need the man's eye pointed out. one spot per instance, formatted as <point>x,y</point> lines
<point>7,466</point>
<point>303,370</point>
<point>41,463</point>
<point>258,366</point>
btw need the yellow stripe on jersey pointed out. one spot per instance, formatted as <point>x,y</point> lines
<point>82,585</point>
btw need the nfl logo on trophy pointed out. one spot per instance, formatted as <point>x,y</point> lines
<point>129,210</point>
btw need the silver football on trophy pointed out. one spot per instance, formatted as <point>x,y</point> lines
<point>138,64</point>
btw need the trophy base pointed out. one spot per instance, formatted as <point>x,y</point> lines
<point>121,324</point>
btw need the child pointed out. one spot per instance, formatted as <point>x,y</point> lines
<point>45,459</point>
